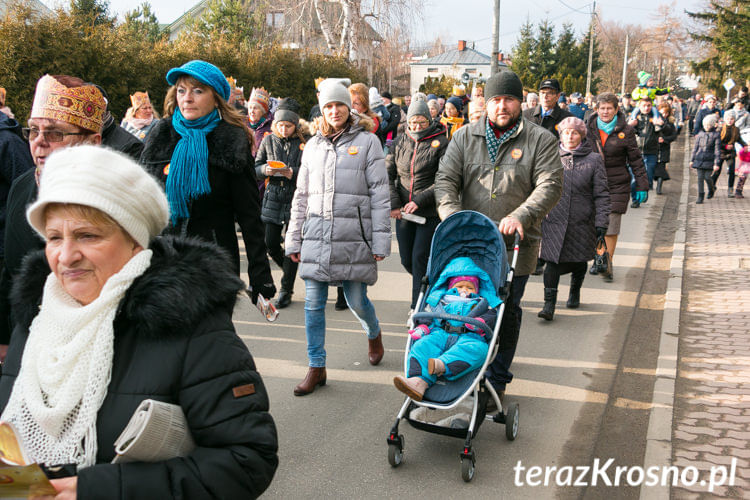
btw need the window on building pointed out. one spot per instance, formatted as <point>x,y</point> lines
<point>471,71</point>
<point>275,19</point>
<point>432,70</point>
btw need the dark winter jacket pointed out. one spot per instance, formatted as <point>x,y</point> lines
<point>392,124</point>
<point>549,122</point>
<point>569,229</point>
<point>173,341</point>
<point>277,199</point>
<point>412,165</point>
<point>119,139</point>
<point>15,159</point>
<point>669,133</point>
<point>234,194</point>
<point>646,134</point>
<point>730,135</point>
<point>262,131</point>
<point>619,150</point>
<point>706,150</point>
<point>21,239</point>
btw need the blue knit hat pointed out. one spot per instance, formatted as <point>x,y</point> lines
<point>205,73</point>
<point>457,102</point>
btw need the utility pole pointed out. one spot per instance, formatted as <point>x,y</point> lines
<point>625,64</point>
<point>591,49</point>
<point>495,38</point>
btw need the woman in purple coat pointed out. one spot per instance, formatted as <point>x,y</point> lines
<point>570,230</point>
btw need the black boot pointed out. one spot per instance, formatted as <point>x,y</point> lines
<point>699,200</point>
<point>539,267</point>
<point>341,304</point>
<point>711,190</point>
<point>284,299</point>
<point>574,297</point>
<point>550,298</point>
<point>658,185</point>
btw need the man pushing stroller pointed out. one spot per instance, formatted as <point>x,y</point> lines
<point>451,348</point>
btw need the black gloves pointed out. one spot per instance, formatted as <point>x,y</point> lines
<point>601,232</point>
<point>268,290</point>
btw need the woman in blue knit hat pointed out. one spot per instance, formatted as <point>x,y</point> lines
<point>201,152</point>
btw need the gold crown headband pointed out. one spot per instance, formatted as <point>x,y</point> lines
<point>139,99</point>
<point>81,106</point>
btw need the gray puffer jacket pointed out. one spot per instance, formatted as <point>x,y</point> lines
<point>341,209</point>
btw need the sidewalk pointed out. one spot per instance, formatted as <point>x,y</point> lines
<point>711,422</point>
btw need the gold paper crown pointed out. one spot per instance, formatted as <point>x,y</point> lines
<point>139,99</point>
<point>2,95</point>
<point>80,106</point>
<point>317,81</point>
<point>232,82</point>
<point>459,90</point>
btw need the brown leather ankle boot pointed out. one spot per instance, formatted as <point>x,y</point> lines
<point>375,349</point>
<point>315,377</point>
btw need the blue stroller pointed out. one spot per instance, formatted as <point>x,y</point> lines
<point>463,234</point>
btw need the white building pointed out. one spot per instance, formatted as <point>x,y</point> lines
<point>452,63</point>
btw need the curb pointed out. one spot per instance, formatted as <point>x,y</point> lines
<point>659,434</point>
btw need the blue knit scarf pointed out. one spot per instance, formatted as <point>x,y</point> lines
<point>607,128</point>
<point>188,170</point>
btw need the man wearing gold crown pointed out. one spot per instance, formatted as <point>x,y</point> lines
<point>66,112</point>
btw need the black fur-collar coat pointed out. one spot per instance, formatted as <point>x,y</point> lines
<point>174,342</point>
<point>234,194</point>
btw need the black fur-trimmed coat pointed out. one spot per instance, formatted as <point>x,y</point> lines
<point>234,194</point>
<point>174,342</point>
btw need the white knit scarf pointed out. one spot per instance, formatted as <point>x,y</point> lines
<point>66,369</point>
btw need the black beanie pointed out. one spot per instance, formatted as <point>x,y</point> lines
<point>288,111</point>
<point>504,83</point>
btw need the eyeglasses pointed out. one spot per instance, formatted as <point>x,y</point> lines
<point>418,123</point>
<point>49,135</point>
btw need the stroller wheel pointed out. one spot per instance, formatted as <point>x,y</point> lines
<point>395,455</point>
<point>468,467</point>
<point>511,422</point>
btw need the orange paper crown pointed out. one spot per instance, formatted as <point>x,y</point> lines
<point>80,106</point>
<point>2,96</point>
<point>260,96</point>
<point>232,82</point>
<point>317,81</point>
<point>139,99</point>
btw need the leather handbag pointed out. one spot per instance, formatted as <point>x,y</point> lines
<point>602,259</point>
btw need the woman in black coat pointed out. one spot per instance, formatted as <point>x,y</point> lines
<point>615,140</point>
<point>570,229</point>
<point>412,164</point>
<point>203,144</point>
<point>284,144</point>
<point>126,316</point>
<point>665,137</point>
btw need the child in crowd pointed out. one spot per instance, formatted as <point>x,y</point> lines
<point>447,347</point>
<point>277,162</point>
<point>706,157</point>
<point>743,169</point>
<point>452,118</point>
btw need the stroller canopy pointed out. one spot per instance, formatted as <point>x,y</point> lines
<point>469,234</point>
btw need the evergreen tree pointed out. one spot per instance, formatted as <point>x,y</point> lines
<point>89,13</point>
<point>522,55</point>
<point>230,20</point>
<point>582,50</point>
<point>142,24</point>
<point>567,58</point>
<point>545,58</point>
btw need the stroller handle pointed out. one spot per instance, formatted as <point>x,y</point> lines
<point>429,315</point>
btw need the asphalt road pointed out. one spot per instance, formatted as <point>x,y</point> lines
<point>583,382</point>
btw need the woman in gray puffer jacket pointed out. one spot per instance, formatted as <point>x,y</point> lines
<point>570,230</point>
<point>340,222</point>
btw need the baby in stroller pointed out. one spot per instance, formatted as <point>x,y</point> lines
<point>451,348</point>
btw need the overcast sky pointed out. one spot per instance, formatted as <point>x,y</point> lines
<point>472,19</point>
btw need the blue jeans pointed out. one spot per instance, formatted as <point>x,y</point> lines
<point>499,370</point>
<point>649,161</point>
<point>316,295</point>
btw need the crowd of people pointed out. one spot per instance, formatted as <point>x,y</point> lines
<point>121,262</point>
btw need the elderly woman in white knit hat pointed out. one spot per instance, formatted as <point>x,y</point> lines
<point>342,206</point>
<point>122,317</point>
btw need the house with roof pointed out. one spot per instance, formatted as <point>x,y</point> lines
<point>452,63</point>
<point>36,6</point>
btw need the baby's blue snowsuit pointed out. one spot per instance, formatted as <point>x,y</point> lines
<point>460,352</point>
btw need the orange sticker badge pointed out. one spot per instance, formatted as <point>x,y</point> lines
<point>266,133</point>
<point>516,154</point>
<point>166,169</point>
<point>435,144</point>
<point>301,146</point>
<point>353,150</point>
<point>621,135</point>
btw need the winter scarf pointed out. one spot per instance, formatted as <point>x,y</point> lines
<point>494,142</point>
<point>607,128</point>
<point>66,369</point>
<point>188,170</point>
<point>257,124</point>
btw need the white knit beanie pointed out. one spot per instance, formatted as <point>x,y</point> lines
<point>334,90</point>
<point>709,122</point>
<point>375,99</point>
<point>106,180</point>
